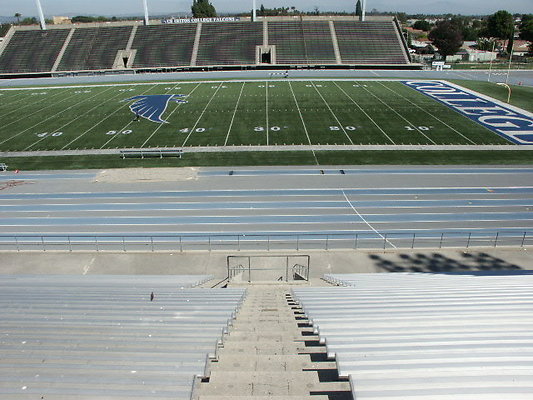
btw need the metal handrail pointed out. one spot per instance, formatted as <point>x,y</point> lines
<point>268,242</point>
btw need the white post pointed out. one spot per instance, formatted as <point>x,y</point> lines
<point>363,16</point>
<point>254,11</point>
<point>146,19</point>
<point>490,66</point>
<point>41,15</point>
<point>509,68</point>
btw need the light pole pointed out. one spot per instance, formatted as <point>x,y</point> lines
<point>146,19</point>
<point>254,11</point>
<point>41,15</point>
<point>508,88</point>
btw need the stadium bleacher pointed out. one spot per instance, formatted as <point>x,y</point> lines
<point>106,337</point>
<point>32,51</point>
<point>94,48</point>
<point>369,43</point>
<point>232,43</point>
<point>164,45</point>
<point>302,42</point>
<point>414,335</point>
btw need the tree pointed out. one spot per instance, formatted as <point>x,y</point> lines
<point>359,9</point>
<point>422,25</point>
<point>17,16</point>
<point>446,37</point>
<point>500,25</point>
<point>526,27</point>
<point>203,9</point>
<point>485,44</point>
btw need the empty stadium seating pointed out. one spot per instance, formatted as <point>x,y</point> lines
<point>32,51</point>
<point>164,45</point>
<point>231,43</point>
<point>301,42</point>
<point>94,48</point>
<point>101,337</point>
<point>369,43</point>
<point>427,336</point>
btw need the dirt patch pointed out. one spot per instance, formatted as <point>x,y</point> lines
<point>147,175</point>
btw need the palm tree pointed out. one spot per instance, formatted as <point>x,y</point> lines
<point>17,16</point>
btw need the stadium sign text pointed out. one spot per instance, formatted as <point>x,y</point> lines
<point>510,123</point>
<point>196,20</point>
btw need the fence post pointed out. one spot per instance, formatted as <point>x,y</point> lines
<point>96,243</point>
<point>468,242</point>
<point>441,239</point>
<point>385,242</point>
<point>355,241</point>
<point>496,239</point>
<point>42,241</point>
<point>152,243</point>
<point>209,238</point>
<point>181,245</point>
<point>268,243</point>
<point>413,242</point>
<point>17,243</point>
<point>523,239</point>
<point>123,243</point>
<point>238,242</point>
<point>69,244</point>
<point>327,242</point>
<point>297,242</point>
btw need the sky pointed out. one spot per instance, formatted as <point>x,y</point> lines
<point>128,7</point>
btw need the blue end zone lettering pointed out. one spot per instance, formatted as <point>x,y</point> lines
<point>511,125</point>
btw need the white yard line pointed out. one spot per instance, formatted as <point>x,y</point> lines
<point>234,113</point>
<point>46,99</point>
<point>169,115</point>
<point>75,119</point>
<point>303,122</point>
<point>50,117</point>
<point>332,113</point>
<point>266,112</point>
<point>364,112</point>
<point>399,115</point>
<point>22,98</point>
<point>202,114</point>
<point>101,121</point>
<point>427,112</point>
<point>365,221</point>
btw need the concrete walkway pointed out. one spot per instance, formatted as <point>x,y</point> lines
<point>231,149</point>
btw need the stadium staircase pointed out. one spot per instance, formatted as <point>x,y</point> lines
<point>271,353</point>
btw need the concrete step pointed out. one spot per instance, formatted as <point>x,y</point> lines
<point>286,335</point>
<point>230,362</point>
<point>273,348</point>
<point>217,397</point>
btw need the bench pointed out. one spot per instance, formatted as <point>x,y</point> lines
<point>160,153</point>
<point>3,167</point>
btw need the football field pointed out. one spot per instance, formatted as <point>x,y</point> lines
<point>231,113</point>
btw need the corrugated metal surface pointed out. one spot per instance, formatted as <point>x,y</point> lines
<point>96,337</point>
<point>428,336</point>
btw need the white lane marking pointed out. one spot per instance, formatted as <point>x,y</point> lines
<point>202,114</point>
<point>364,112</point>
<point>332,113</point>
<point>303,122</point>
<point>427,112</point>
<point>234,113</point>
<point>365,221</point>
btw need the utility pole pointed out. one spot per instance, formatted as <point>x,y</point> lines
<point>41,15</point>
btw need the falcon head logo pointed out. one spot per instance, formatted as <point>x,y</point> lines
<point>152,107</point>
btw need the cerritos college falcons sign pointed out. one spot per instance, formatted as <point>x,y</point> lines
<point>152,107</point>
<point>509,122</point>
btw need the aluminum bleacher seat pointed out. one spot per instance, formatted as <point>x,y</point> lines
<point>32,51</point>
<point>96,337</point>
<point>164,45</point>
<point>369,43</point>
<point>230,43</point>
<point>289,40</point>
<point>428,336</point>
<point>94,48</point>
